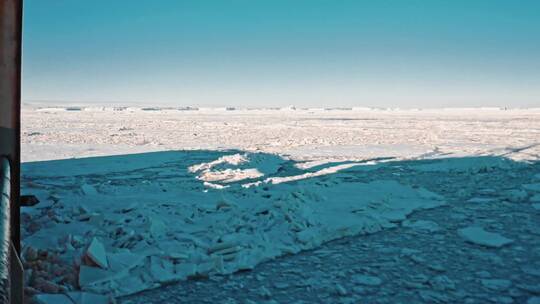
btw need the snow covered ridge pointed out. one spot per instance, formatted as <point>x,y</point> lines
<point>118,225</point>
<point>94,108</point>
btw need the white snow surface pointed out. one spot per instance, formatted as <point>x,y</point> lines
<point>248,185</point>
<point>303,134</point>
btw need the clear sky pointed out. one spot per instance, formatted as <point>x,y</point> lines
<point>380,53</point>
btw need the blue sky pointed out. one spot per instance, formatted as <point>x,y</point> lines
<point>399,53</point>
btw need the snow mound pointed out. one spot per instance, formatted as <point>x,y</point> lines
<point>237,167</point>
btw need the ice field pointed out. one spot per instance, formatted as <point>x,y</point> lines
<point>302,134</point>
<point>281,205</point>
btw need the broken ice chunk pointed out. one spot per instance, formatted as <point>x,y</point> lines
<point>130,284</point>
<point>124,260</point>
<point>96,253</point>
<point>496,284</point>
<point>532,187</point>
<point>481,200</point>
<point>87,298</point>
<point>441,283</point>
<point>185,270</point>
<point>155,226</point>
<point>89,275</point>
<point>128,208</point>
<point>515,195</point>
<point>366,280</point>
<point>225,247</point>
<point>88,189</point>
<point>45,298</point>
<point>477,235</point>
<point>533,300</point>
<point>422,225</point>
<point>162,270</point>
<point>340,290</point>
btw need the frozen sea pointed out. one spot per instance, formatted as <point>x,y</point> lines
<point>209,205</point>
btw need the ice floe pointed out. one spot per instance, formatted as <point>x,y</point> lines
<point>479,236</point>
<point>96,253</point>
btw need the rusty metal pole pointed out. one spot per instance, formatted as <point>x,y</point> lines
<point>10,124</point>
